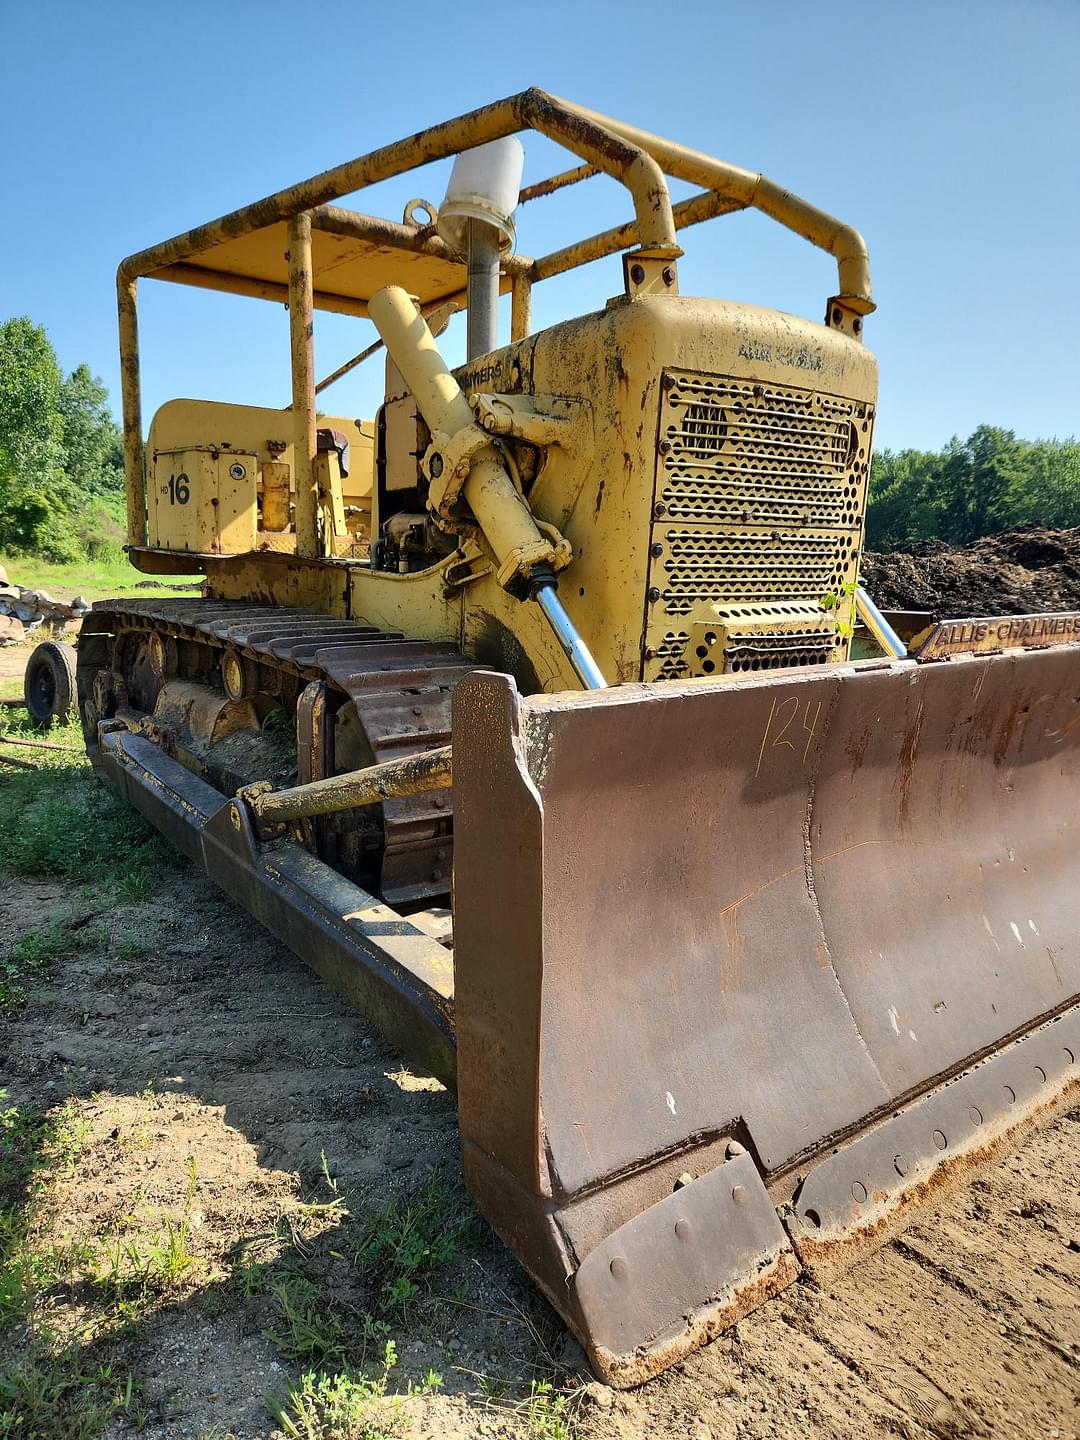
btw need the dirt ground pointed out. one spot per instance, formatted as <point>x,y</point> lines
<point>222,1048</point>
<point>1021,571</point>
<point>218,1089</point>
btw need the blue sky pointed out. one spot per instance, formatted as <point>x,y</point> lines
<point>948,132</point>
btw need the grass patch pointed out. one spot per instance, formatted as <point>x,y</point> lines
<point>58,820</point>
<point>404,1244</point>
<point>56,1397</point>
<point>348,1405</point>
<point>33,956</point>
<point>48,1392</point>
<point>93,579</point>
<point>34,1150</point>
<point>139,1268</point>
<point>307,1331</point>
<point>399,1251</point>
<point>547,1414</point>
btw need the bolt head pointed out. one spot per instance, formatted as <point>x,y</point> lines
<point>637,273</point>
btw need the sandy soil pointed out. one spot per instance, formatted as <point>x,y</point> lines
<point>220,1047</point>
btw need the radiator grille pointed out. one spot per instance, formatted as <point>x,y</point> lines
<point>738,452</point>
<point>760,494</point>
<point>707,563</point>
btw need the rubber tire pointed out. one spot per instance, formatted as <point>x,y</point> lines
<point>49,683</point>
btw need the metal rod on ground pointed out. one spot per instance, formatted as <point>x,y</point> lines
<point>32,744</point>
<point>878,626</point>
<point>430,770</point>
<point>483,321</point>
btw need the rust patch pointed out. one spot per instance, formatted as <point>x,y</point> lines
<point>776,1271</point>
<point>908,757</point>
<point>827,1256</point>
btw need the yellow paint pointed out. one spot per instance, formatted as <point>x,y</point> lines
<point>705,461</point>
<point>204,439</point>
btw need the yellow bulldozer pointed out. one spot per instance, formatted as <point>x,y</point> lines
<point>527,713</point>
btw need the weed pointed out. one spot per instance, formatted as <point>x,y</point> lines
<point>306,1332</point>
<point>135,884</point>
<point>129,1266</point>
<point>36,952</point>
<point>349,1405</point>
<point>133,1269</point>
<point>546,1413</point>
<point>51,1397</point>
<point>837,600</point>
<point>127,949</point>
<point>405,1242</point>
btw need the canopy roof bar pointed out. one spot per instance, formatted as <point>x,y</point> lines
<point>705,206</point>
<point>529,110</point>
<point>753,189</point>
<point>556,182</point>
<point>352,256</point>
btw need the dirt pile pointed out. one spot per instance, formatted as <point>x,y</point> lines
<point>1021,571</point>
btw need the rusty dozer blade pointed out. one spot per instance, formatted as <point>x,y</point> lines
<point>747,970</point>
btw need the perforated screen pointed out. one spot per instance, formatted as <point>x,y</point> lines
<point>760,494</point>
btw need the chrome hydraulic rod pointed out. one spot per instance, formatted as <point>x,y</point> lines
<point>575,649</point>
<point>878,626</point>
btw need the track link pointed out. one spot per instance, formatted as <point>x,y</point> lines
<point>382,697</point>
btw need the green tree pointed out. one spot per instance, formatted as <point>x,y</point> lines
<point>31,431</point>
<point>982,478</point>
<point>35,494</point>
<point>93,457</point>
<point>972,487</point>
<point>906,500</point>
<point>1050,487</point>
